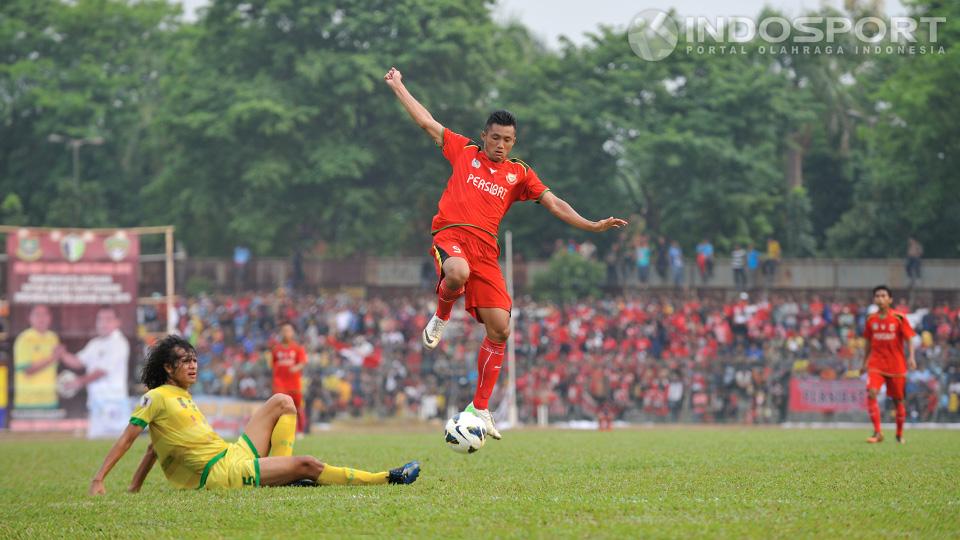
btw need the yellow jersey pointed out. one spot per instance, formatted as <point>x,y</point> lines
<point>183,440</point>
<point>39,390</point>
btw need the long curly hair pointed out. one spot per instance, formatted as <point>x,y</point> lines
<point>163,353</point>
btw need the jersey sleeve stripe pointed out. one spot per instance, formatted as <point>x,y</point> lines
<point>526,168</point>
<point>138,422</point>
<point>542,194</point>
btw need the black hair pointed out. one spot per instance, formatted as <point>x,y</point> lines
<point>882,288</point>
<point>501,118</point>
<point>163,353</point>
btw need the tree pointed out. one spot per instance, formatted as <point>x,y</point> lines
<point>80,70</point>
<point>911,183</point>
<point>569,278</point>
<point>286,134</point>
<point>11,210</point>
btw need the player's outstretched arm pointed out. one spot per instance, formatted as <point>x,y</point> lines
<point>149,458</point>
<point>564,212</point>
<point>417,112</point>
<point>113,456</point>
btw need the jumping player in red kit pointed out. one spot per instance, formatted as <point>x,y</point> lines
<point>483,185</point>
<point>288,360</point>
<point>886,332</point>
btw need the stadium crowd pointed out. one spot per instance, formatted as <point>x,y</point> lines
<point>634,358</point>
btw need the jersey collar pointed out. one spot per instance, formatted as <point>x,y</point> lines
<point>177,390</point>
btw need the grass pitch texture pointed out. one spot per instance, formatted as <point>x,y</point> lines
<point>663,483</point>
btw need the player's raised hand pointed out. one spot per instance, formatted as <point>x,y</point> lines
<point>393,77</point>
<point>96,488</point>
<point>610,223</point>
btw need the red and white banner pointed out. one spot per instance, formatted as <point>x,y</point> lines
<point>73,322</point>
<point>816,395</point>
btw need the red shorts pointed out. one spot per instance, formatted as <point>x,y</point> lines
<point>895,384</point>
<point>485,288</point>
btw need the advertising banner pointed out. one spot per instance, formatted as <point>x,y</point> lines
<point>73,303</point>
<point>816,395</point>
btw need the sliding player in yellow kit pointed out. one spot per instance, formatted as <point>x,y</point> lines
<point>193,456</point>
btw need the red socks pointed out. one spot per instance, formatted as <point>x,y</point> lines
<point>446,299</point>
<point>489,360</point>
<point>874,409</point>
<point>901,416</point>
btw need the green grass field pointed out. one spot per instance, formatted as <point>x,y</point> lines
<point>669,482</point>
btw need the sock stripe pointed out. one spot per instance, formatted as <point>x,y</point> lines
<point>483,368</point>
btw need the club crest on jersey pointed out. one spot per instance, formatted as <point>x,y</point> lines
<point>475,163</point>
<point>511,178</point>
<point>875,326</point>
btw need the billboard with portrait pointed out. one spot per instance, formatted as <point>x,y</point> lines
<point>72,298</point>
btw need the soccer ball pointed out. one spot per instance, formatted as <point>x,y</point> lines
<point>465,433</point>
<point>64,379</point>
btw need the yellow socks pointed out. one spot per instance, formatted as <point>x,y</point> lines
<point>343,476</point>
<point>284,433</point>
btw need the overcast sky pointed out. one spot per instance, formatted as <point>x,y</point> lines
<point>549,19</point>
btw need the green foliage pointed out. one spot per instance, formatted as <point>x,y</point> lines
<point>266,123</point>
<point>199,285</point>
<point>911,185</point>
<point>570,277</point>
<point>11,210</point>
<point>799,240</point>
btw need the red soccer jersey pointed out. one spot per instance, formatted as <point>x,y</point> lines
<point>284,358</point>
<point>887,336</point>
<point>480,191</point>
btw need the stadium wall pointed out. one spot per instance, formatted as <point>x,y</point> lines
<point>941,277</point>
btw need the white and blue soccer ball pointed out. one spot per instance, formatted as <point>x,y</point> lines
<point>465,433</point>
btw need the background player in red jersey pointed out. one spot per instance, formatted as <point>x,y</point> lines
<point>482,186</point>
<point>288,359</point>
<point>885,332</point>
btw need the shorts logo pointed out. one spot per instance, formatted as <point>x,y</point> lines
<point>511,178</point>
<point>475,163</point>
<point>456,249</point>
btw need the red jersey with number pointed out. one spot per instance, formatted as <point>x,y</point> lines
<point>284,358</point>
<point>887,337</point>
<point>480,191</point>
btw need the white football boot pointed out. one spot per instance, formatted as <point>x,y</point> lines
<point>487,418</point>
<point>433,332</point>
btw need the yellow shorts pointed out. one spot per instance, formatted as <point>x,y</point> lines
<point>236,467</point>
